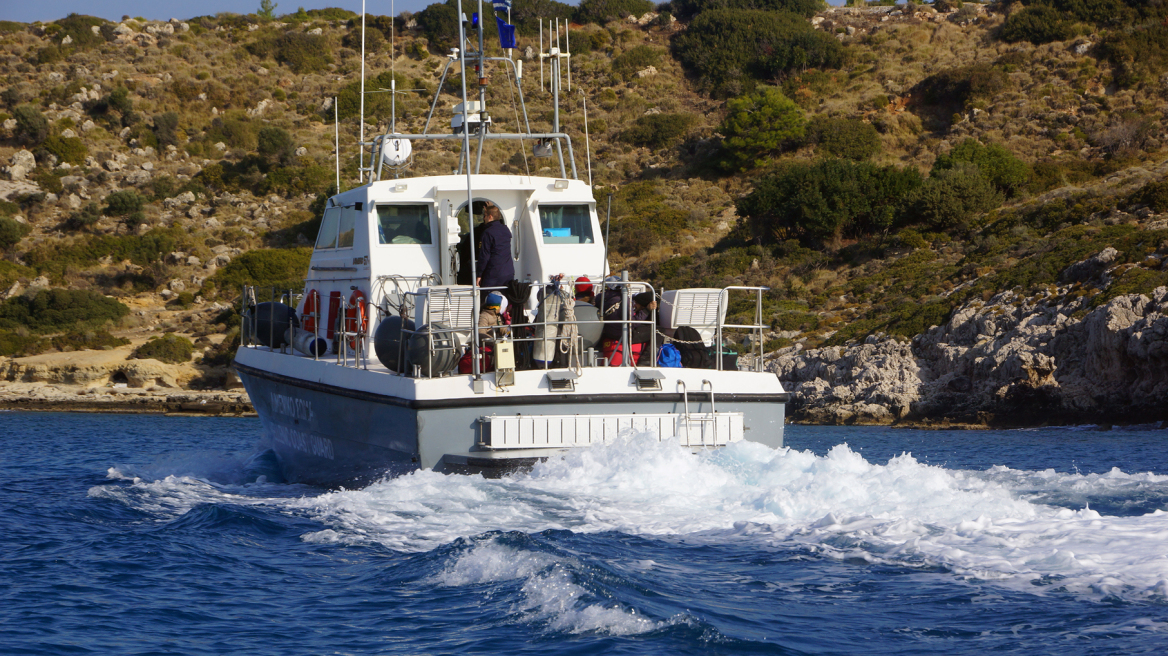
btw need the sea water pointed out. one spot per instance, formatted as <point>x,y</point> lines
<point>158,535</point>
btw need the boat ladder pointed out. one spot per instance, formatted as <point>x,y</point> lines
<point>689,418</point>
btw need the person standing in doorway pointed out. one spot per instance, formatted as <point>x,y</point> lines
<point>494,266</point>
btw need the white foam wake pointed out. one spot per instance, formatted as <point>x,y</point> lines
<point>549,594</point>
<point>975,524</point>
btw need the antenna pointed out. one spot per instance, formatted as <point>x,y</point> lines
<point>361,138</point>
<point>568,53</point>
<point>541,87</point>
<point>337,136</point>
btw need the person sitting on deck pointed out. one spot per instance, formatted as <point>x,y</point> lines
<point>639,333</point>
<point>492,326</point>
<point>494,266</point>
<point>588,321</point>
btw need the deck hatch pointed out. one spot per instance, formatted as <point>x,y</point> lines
<point>647,380</point>
<point>562,381</point>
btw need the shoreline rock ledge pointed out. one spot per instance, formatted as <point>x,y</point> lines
<point>1009,361</point>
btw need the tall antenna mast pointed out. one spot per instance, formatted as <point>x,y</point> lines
<point>361,137</point>
<point>337,137</point>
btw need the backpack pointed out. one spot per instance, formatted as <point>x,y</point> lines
<point>694,353</point>
<point>669,356</point>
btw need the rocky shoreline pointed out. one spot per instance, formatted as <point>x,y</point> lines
<point>43,397</point>
<point>1012,361</point>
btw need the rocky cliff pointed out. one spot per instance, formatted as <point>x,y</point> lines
<point>1011,360</point>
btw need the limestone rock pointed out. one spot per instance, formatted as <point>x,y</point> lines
<point>22,164</point>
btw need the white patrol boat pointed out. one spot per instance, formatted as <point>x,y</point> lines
<point>375,368</point>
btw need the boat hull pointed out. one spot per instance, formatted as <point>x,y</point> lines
<point>367,425</point>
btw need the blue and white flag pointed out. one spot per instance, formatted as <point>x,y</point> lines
<point>502,5</point>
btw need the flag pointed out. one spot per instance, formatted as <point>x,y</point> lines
<point>502,5</point>
<point>506,33</point>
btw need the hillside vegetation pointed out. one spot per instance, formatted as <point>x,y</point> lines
<point>876,167</point>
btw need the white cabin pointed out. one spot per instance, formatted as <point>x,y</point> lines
<point>396,236</point>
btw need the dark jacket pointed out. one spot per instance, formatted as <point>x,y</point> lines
<point>493,263</point>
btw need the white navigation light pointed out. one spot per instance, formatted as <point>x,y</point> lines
<point>396,152</point>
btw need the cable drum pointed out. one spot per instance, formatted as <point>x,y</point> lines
<point>445,351</point>
<point>387,341</point>
<point>272,321</point>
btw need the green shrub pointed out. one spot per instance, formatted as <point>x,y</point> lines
<point>223,353</point>
<point>849,138</point>
<point>1153,194</point>
<point>301,52</point>
<point>281,268</point>
<point>10,27</point>
<point>376,104</point>
<point>828,200</point>
<point>1138,54</point>
<point>688,8</point>
<point>166,128</point>
<point>955,89</point>
<point>759,126</point>
<point>83,218</point>
<point>658,130</point>
<point>951,197</point>
<point>54,257</point>
<point>15,344</point>
<point>439,24</point>
<point>67,149</point>
<point>1037,24</point>
<point>602,11</point>
<point>11,232</point>
<point>729,49</point>
<point>637,58</point>
<point>641,218</point>
<point>275,145</point>
<point>80,29</point>
<point>81,340</point>
<point>31,125</point>
<point>1008,173</point>
<point>235,129</point>
<point>123,203</point>
<point>54,310</point>
<point>170,348</point>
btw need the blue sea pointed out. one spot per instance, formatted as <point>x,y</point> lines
<point>140,534</point>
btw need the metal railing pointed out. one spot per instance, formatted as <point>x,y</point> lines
<point>349,342</point>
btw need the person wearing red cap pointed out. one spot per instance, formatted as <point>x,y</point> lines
<point>584,290</point>
<point>587,315</point>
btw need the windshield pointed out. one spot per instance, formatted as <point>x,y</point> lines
<point>327,237</point>
<point>404,224</point>
<point>565,224</point>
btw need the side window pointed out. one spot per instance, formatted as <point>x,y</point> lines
<point>404,224</point>
<point>565,224</point>
<point>345,230</point>
<point>327,237</point>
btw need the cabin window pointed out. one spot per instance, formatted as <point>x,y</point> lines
<point>345,229</point>
<point>327,237</point>
<point>565,224</point>
<point>404,224</point>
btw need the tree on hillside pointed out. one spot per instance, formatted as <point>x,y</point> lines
<point>998,165</point>
<point>730,49</point>
<point>829,200</point>
<point>759,126</point>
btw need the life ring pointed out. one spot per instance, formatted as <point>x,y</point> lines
<point>308,316</point>
<point>356,319</point>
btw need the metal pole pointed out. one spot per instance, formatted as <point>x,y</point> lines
<point>625,319</point>
<point>361,138</point>
<point>587,146</point>
<point>607,232</point>
<point>474,333</point>
<point>337,136</point>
